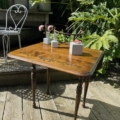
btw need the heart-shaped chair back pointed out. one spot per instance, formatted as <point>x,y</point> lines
<point>16,16</point>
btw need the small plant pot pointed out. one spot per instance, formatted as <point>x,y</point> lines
<point>45,6</point>
<point>47,34</point>
<point>46,40</point>
<point>76,48</point>
<point>54,43</point>
<point>33,7</point>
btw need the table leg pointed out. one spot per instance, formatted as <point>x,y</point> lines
<point>5,40</point>
<point>78,96</point>
<point>48,80</point>
<point>85,90</point>
<point>33,83</point>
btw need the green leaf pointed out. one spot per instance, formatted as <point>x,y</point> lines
<point>112,38</point>
<point>97,45</point>
<point>105,44</point>
<point>88,43</point>
<point>110,58</point>
<point>90,39</point>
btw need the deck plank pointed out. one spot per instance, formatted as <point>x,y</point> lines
<point>65,109</point>
<point>3,93</point>
<point>13,107</point>
<point>112,99</point>
<point>108,109</point>
<point>110,92</point>
<point>83,113</point>
<point>47,105</point>
<point>102,102</point>
<point>29,113</point>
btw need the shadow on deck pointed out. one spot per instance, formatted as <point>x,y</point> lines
<point>18,72</point>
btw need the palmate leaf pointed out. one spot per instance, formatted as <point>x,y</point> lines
<point>108,32</point>
<point>104,40</point>
<point>106,44</point>
<point>112,38</point>
<point>88,43</point>
<point>97,45</point>
<point>94,41</point>
<point>90,39</point>
<point>107,38</point>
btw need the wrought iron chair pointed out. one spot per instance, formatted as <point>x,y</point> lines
<point>16,15</point>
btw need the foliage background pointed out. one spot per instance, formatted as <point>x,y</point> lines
<point>3,4</point>
<point>100,22</point>
<point>62,9</point>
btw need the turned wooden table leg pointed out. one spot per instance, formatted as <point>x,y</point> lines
<point>33,83</point>
<point>78,97</point>
<point>85,90</point>
<point>48,80</point>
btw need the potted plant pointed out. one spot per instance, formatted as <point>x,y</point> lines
<point>47,30</point>
<point>40,5</point>
<point>45,6</point>
<point>33,4</point>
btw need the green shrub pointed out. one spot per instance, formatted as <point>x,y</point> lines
<point>101,26</point>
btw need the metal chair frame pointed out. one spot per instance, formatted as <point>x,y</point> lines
<point>16,27</point>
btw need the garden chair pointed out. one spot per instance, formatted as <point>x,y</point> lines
<point>16,16</point>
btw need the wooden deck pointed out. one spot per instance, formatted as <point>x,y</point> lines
<point>103,102</point>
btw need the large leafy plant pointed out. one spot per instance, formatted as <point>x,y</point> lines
<point>110,3</point>
<point>101,26</point>
<point>97,19</point>
<point>107,42</point>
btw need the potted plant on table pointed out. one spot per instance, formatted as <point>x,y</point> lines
<point>76,47</point>
<point>47,30</point>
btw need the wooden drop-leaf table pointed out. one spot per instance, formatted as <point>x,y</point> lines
<point>60,59</point>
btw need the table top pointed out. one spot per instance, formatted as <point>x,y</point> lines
<point>59,58</point>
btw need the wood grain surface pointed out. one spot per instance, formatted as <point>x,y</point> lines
<point>102,104</point>
<point>59,58</point>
